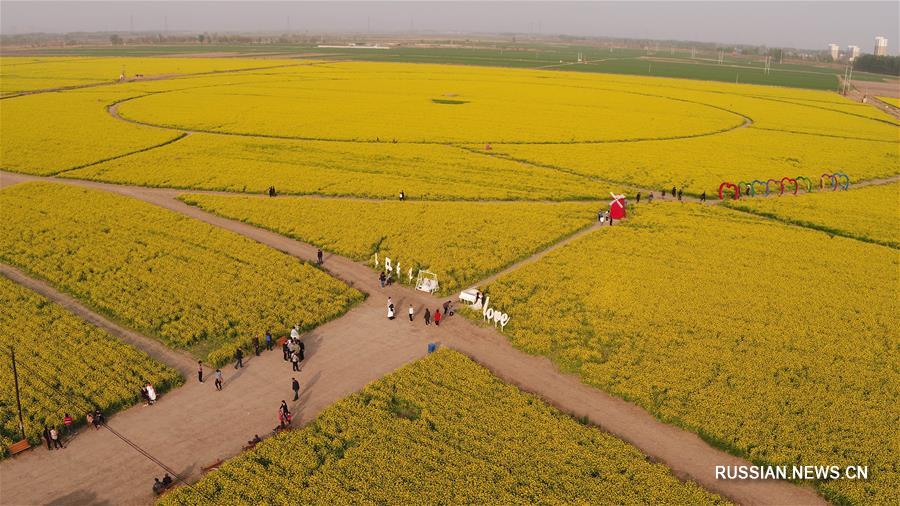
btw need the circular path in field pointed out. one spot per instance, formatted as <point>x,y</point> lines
<point>462,105</point>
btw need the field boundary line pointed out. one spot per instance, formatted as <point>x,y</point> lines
<point>816,134</point>
<point>123,155</point>
<point>181,362</point>
<point>113,110</point>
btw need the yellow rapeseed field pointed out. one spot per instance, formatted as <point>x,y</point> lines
<point>431,171</point>
<point>442,430</point>
<point>416,103</point>
<point>64,366</point>
<point>577,131</point>
<point>193,285</point>
<point>869,213</point>
<point>461,242</point>
<point>52,132</point>
<point>776,341</point>
<point>24,74</point>
<point>701,164</point>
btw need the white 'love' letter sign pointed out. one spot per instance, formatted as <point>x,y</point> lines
<point>491,314</point>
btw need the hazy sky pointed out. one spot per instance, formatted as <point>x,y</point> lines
<point>796,24</point>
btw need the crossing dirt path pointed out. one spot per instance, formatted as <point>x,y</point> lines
<point>194,426</point>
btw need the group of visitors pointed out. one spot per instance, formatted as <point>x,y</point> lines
<point>428,316</point>
<point>160,486</point>
<point>52,436</point>
<point>676,193</point>
<point>293,349</point>
<point>271,191</point>
<point>604,217</point>
<point>95,418</point>
<point>217,375</point>
<point>386,278</point>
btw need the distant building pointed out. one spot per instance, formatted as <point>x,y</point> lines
<point>835,51</point>
<point>880,46</point>
<point>852,52</point>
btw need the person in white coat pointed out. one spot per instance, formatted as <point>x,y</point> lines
<point>151,393</point>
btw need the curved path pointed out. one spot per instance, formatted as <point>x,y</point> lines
<point>185,431</point>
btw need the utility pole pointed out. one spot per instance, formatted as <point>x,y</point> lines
<point>18,399</point>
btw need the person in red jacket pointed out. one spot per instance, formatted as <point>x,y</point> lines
<point>67,423</point>
<point>437,316</point>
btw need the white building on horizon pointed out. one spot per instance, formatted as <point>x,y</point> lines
<point>881,46</point>
<point>835,51</point>
<point>852,52</point>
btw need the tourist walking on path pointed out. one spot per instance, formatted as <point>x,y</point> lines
<point>268,340</point>
<point>295,332</point>
<point>295,385</point>
<point>89,418</point>
<point>437,317</point>
<point>638,199</point>
<point>390,312</point>
<point>402,195</point>
<point>650,198</point>
<point>200,370</point>
<point>673,191</point>
<point>295,361</point>
<point>412,312</point>
<point>301,350</point>
<point>67,423</point>
<point>256,346</point>
<point>54,435</point>
<point>427,316</point>
<point>319,257</point>
<point>238,358</point>
<point>284,415</point>
<point>680,193</point>
<point>218,375</point>
<point>703,197</point>
<point>47,437</point>
<point>286,350</point>
<point>98,417</point>
<point>382,278</point>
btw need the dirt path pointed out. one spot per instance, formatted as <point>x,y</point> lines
<point>182,362</point>
<point>195,426</point>
<point>539,254</point>
<point>185,429</point>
